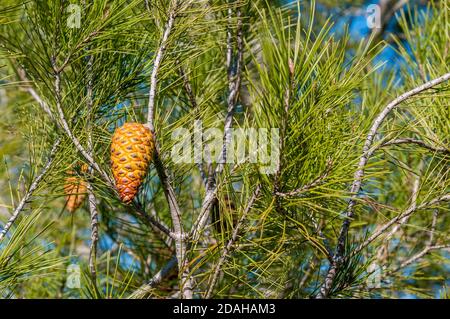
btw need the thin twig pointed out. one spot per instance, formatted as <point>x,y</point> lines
<point>429,246</point>
<point>147,5</point>
<point>152,221</point>
<point>34,185</point>
<point>414,196</point>
<point>358,177</point>
<point>407,213</point>
<point>157,64</point>
<point>188,88</point>
<point>156,280</point>
<point>33,93</point>
<point>316,182</point>
<point>433,227</point>
<point>190,94</point>
<point>417,256</point>
<point>417,142</point>
<point>231,242</point>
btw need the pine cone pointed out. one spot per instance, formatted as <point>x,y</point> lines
<point>75,189</point>
<point>131,153</point>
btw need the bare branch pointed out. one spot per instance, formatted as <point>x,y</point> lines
<point>94,230</point>
<point>91,196</point>
<point>234,84</point>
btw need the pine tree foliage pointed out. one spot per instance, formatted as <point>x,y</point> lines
<point>67,84</point>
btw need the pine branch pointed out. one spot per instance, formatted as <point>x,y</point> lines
<point>405,214</point>
<point>289,92</point>
<point>414,196</point>
<point>231,242</point>
<point>234,83</point>
<point>417,256</point>
<point>157,63</point>
<point>65,127</point>
<point>433,227</point>
<point>193,237</point>
<point>62,123</point>
<point>29,88</point>
<point>141,212</point>
<point>34,185</point>
<point>416,142</point>
<point>180,245</point>
<point>359,174</point>
<point>190,94</point>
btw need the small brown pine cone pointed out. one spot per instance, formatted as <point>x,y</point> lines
<point>75,190</point>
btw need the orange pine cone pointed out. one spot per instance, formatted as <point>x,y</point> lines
<point>131,153</point>
<point>75,189</point>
